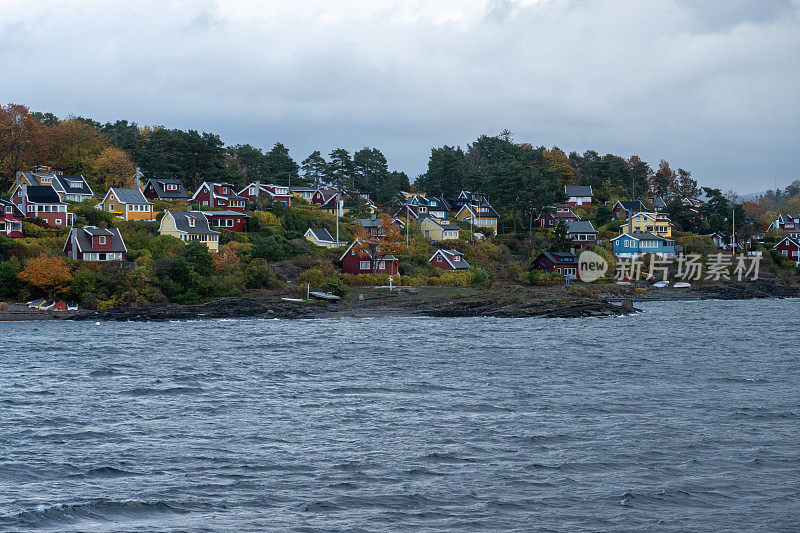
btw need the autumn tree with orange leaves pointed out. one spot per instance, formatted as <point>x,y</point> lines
<point>388,241</point>
<point>47,273</point>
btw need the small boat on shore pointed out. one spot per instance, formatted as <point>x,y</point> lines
<point>72,306</point>
<point>48,305</point>
<point>325,296</point>
<point>36,304</point>
<point>682,285</point>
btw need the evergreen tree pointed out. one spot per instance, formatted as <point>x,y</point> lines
<point>340,169</point>
<point>315,169</point>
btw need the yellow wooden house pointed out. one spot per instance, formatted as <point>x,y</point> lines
<point>438,230</point>
<point>189,226</point>
<point>480,216</point>
<point>129,204</point>
<point>644,222</point>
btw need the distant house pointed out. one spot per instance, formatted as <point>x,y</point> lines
<point>277,193</point>
<point>98,245</point>
<point>551,218</point>
<point>169,190</point>
<point>130,204</point>
<point>481,216</point>
<point>42,202</point>
<point>624,209</point>
<point>348,204</point>
<point>373,226</point>
<point>449,260</point>
<point>419,207</point>
<point>565,263</point>
<point>322,237</point>
<point>634,245</point>
<point>304,193</point>
<point>788,223</point>
<point>229,220</point>
<point>218,196</point>
<point>438,230</point>
<point>355,263</point>
<point>578,194</point>
<point>659,204</point>
<point>643,222</point>
<point>189,226</point>
<point>10,219</point>
<point>70,188</point>
<point>723,240</point>
<point>582,232</point>
<point>322,197</point>
<point>790,248</point>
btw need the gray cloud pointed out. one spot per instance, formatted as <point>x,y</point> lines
<point>709,89</point>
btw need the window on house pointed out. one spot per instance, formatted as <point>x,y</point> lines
<point>191,222</point>
<point>101,239</point>
<point>381,265</point>
<point>57,221</point>
<point>364,265</point>
<point>438,258</point>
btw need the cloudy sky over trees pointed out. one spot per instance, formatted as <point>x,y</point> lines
<point>710,86</point>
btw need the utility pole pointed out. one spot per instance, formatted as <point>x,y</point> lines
<point>407,228</point>
<point>337,215</point>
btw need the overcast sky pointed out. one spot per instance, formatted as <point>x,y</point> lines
<point>710,86</point>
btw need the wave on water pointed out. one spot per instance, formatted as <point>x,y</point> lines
<point>149,391</point>
<point>100,510</point>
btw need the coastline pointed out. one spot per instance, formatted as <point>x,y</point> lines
<point>502,302</point>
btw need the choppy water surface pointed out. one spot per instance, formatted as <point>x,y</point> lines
<point>686,417</point>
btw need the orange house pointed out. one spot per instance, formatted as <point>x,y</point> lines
<point>129,204</point>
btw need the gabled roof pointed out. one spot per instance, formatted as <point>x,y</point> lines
<point>795,242</point>
<point>380,258</point>
<point>182,222</point>
<point>66,180</point>
<point>43,194</point>
<point>560,257</point>
<point>322,235</point>
<point>161,192</point>
<point>659,203</point>
<point>223,214</point>
<point>83,237</point>
<point>212,193</point>
<point>327,195</point>
<point>443,224</point>
<point>128,196</point>
<point>15,211</point>
<point>640,237</point>
<point>370,222</point>
<point>580,226</point>
<point>578,190</point>
<point>449,256</point>
<point>490,213</point>
<point>631,205</point>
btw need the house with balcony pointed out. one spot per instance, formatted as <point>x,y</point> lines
<point>219,196</point>
<point>635,245</point>
<point>480,216</point>
<point>189,226</point>
<point>582,232</point>
<point>276,193</point>
<point>438,230</point>
<point>644,222</point>
<point>98,245</point>
<point>70,188</point>
<point>42,202</point>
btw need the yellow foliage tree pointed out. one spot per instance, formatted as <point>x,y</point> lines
<point>47,273</point>
<point>265,218</point>
<point>114,168</point>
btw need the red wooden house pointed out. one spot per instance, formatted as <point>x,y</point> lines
<point>363,263</point>
<point>229,220</point>
<point>790,248</point>
<point>218,196</point>
<point>95,244</point>
<point>277,193</point>
<point>42,202</point>
<point>324,197</point>
<point>582,232</point>
<point>550,219</point>
<point>165,189</point>
<point>565,264</point>
<point>10,219</point>
<point>448,260</point>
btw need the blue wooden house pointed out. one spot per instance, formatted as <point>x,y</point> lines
<point>637,244</point>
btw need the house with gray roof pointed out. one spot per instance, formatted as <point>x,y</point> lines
<point>69,187</point>
<point>189,226</point>
<point>128,204</point>
<point>322,237</point>
<point>582,232</point>
<point>98,245</point>
<point>169,190</point>
<point>578,194</point>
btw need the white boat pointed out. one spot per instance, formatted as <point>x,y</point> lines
<point>47,305</point>
<point>682,285</point>
<point>293,299</point>
<point>623,283</point>
<point>72,306</point>
<point>661,284</point>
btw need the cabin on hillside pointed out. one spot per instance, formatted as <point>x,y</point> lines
<point>624,209</point>
<point>228,220</point>
<point>42,202</point>
<point>364,263</point>
<point>11,219</point>
<point>98,245</point>
<point>578,194</point>
<point>582,233</point>
<point>448,260</point>
<point>554,215</point>
<point>169,190</point>
<point>438,230</point>
<point>322,238</point>
<point>189,226</point>
<point>276,193</point>
<point>69,187</point>
<point>219,196</point>
<point>790,248</point>
<point>565,263</point>
<point>128,204</point>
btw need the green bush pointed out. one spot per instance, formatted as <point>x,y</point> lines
<point>335,286</point>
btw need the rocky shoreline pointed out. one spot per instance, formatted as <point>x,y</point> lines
<point>508,302</point>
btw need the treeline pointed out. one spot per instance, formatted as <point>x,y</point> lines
<point>108,154</point>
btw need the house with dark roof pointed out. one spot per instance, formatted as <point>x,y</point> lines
<point>322,238</point>
<point>169,190</point>
<point>448,260</point>
<point>42,202</point>
<point>128,204</point>
<point>323,197</point>
<point>98,245</point>
<point>228,220</point>
<point>304,193</point>
<point>276,193</point>
<point>790,248</point>
<point>374,226</point>
<point>578,194</point>
<point>10,219</point>
<point>624,209</point>
<point>69,187</point>
<point>565,263</point>
<point>552,216</point>
<point>480,216</point>
<point>354,262</point>
<point>788,223</point>
<point>189,226</point>
<point>437,229</point>
<point>218,196</point>
<point>582,232</point>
